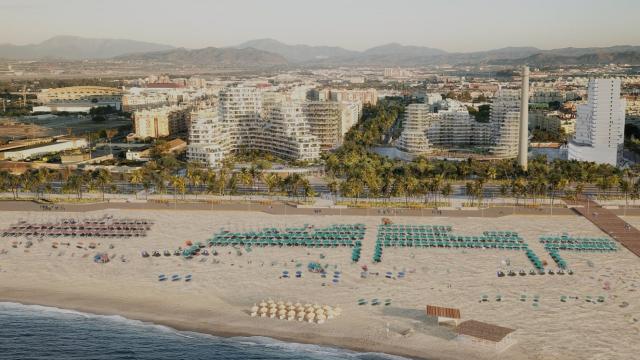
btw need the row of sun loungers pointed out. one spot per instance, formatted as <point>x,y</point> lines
<point>439,236</point>
<point>104,227</point>
<point>332,236</point>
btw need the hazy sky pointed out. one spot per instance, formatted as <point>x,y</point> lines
<point>452,25</point>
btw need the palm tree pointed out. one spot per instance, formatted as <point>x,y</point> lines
<point>245,177</point>
<point>272,180</point>
<point>518,188</point>
<point>179,184</point>
<point>196,181</point>
<point>470,191</point>
<point>579,189</point>
<point>446,191</point>
<point>436,186</point>
<point>625,189</point>
<point>233,183</point>
<point>102,178</point>
<point>411,186</point>
<point>211,181</point>
<point>491,173</point>
<point>10,181</point>
<point>557,184</point>
<point>307,189</point>
<point>137,177</point>
<point>292,184</point>
<point>74,184</point>
<point>351,188</point>
<point>333,185</point>
<point>478,190</point>
<point>504,191</point>
<point>255,173</point>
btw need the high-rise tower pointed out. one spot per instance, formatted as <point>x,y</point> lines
<point>599,133</point>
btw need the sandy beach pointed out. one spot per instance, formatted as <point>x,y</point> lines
<point>225,286</point>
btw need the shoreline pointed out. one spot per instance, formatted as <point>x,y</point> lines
<point>215,329</point>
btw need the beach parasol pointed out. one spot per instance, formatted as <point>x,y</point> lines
<point>282,313</point>
<point>300,315</point>
<point>310,316</point>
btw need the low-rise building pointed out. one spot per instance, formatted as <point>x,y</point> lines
<point>486,335</point>
<point>57,146</point>
<point>78,98</point>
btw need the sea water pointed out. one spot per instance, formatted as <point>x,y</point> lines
<point>38,332</point>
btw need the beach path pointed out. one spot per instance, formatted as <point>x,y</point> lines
<point>610,223</point>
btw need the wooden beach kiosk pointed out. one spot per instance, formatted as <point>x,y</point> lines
<point>445,315</point>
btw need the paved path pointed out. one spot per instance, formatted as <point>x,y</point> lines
<point>279,208</point>
<point>610,223</point>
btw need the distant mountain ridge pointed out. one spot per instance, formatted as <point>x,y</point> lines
<point>77,48</point>
<point>598,58</point>
<point>297,53</point>
<point>395,54</point>
<point>270,52</point>
<point>210,57</point>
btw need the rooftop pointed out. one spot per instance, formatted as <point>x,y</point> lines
<point>483,330</point>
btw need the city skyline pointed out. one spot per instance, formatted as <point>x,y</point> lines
<point>348,24</point>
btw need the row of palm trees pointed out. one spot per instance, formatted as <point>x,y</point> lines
<point>40,181</point>
<point>355,171</point>
<point>197,179</point>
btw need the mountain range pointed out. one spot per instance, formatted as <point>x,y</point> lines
<point>210,57</point>
<point>76,48</point>
<point>270,52</point>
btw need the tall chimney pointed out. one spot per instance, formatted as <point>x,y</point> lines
<point>523,143</point>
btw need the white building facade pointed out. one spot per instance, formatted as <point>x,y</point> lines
<point>248,119</point>
<point>505,123</point>
<point>599,135</point>
<point>450,128</point>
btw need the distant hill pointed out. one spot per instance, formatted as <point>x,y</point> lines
<point>396,49</point>
<point>211,57</point>
<point>597,58</point>
<point>270,52</point>
<point>76,48</point>
<point>298,53</point>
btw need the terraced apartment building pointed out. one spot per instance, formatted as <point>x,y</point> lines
<point>249,119</point>
<point>447,126</point>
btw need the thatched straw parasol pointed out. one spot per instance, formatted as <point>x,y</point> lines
<point>310,317</point>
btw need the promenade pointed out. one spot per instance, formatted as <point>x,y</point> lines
<point>610,223</point>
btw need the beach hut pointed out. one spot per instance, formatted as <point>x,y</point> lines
<point>444,314</point>
<point>484,334</point>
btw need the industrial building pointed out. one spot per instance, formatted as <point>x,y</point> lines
<point>39,149</point>
<point>78,98</point>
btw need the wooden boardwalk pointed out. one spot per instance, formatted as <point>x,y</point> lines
<point>610,223</point>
